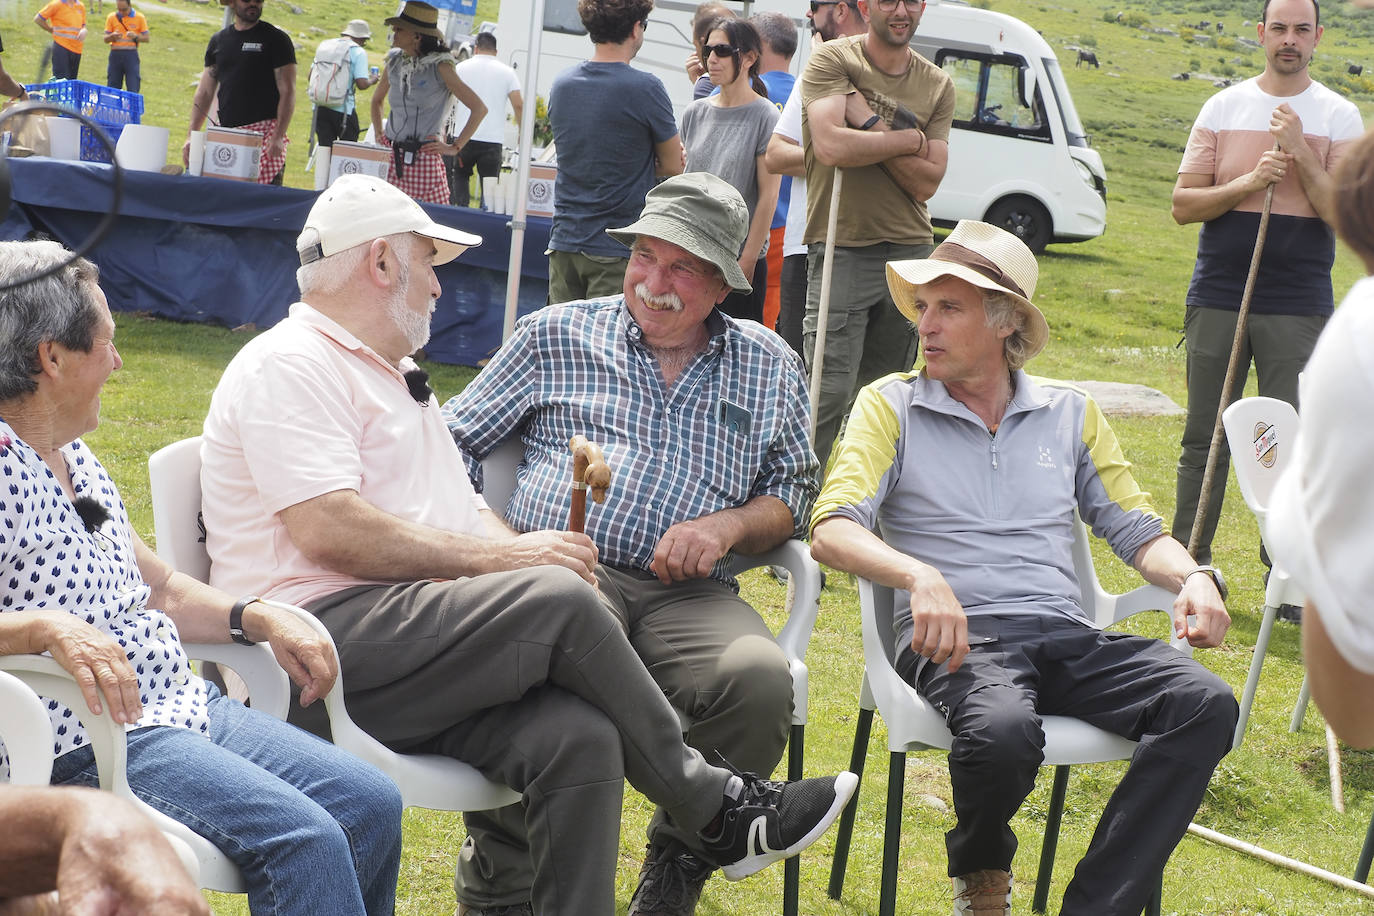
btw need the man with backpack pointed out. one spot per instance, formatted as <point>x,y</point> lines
<point>339,69</point>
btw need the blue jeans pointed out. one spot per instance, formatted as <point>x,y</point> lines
<point>312,828</point>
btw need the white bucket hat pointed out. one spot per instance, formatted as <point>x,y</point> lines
<point>987,257</point>
<point>357,28</point>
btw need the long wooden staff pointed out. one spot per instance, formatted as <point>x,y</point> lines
<point>590,470</point>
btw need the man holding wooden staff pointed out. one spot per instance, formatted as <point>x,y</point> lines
<point>1285,129</point>
<point>703,420</point>
<point>330,481</point>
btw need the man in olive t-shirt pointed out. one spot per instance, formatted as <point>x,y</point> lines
<point>881,112</point>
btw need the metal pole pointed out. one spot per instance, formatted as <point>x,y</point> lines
<point>522,169</point>
<point>823,308</point>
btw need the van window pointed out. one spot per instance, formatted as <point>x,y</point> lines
<point>990,95</point>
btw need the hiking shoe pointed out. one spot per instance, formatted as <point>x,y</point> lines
<point>982,892</point>
<point>518,909</point>
<point>1291,613</point>
<point>670,881</point>
<point>763,821</point>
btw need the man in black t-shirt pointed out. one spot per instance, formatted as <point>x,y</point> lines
<point>250,69</point>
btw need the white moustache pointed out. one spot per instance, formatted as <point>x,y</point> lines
<point>668,301</point>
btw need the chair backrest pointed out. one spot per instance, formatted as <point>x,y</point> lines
<point>174,479</point>
<point>26,732</point>
<point>1261,433</point>
<point>498,473</point>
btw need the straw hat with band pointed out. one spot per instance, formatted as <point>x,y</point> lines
<point>417,17</point>
<point>981,254</point>
<point>700,213</point>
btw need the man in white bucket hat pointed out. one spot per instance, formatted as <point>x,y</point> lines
<point>972,471</point>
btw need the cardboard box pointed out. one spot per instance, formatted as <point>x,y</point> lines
<point>348,158</point>
<point>232,153</point>
<point>539,196</point>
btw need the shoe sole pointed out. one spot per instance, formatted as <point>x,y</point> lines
<point>845,785</point>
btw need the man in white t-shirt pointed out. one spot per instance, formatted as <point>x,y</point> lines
<point>494,83</point>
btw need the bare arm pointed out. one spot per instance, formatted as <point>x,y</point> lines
<point>671,156</point>
<point>42,23</point>
<point>835,143</point>
<point>97,851</point>
<point>517,104</point>
<point>762,219</point>
<point>1340,689</point>
<point>379,99</point>
<point>1164,562</point>
<point>285,77</point>
<point>940,625</point>
<point>919,175</point>
<point>1197,198</point>
<point>200,109</point>
<point>343,532</point>
<point>10,87</point>
<point>477,110</point>
<point>1317,184</point>
<point>688,550</point>
<point>785,157</point>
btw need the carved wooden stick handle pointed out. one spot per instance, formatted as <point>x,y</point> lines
<point>589,471</point>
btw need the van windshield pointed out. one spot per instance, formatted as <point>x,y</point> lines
<point>1073,127</point>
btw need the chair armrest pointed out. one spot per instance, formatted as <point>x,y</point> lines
<point>26,732</point>
<point>803,606</point>
<point>269,688</point>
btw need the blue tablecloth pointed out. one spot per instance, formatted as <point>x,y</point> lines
<point>210,250</point>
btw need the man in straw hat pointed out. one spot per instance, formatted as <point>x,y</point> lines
<point>250,69</point>
<point>704,420</point>
<point>972,471</point>
<point>330,481</point>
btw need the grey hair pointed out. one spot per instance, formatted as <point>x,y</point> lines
<point>1003,312</point>
<point>60,308</point>
<point>330,274</point>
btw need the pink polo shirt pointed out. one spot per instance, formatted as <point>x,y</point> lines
<point>303,410</point>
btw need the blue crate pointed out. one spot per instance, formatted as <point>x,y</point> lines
<point>103,104</point>
<point>92,150</point>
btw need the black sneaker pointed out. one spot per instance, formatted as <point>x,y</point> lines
<point>763,822</point>
<point>670,881</point>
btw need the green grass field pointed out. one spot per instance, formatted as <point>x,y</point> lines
<point>1115,310</point>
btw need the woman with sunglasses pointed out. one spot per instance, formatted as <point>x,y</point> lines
<point>727,134</point>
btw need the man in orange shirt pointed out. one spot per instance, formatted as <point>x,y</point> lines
<point>66,21</point>
<point>125,29</point>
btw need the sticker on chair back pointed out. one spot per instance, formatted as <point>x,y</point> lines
<point>1266,443</point>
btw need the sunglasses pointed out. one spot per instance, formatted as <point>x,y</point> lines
<point>719,50</point>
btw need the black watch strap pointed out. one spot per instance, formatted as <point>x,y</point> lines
<point>1215,575</point>
<point>870,122</point>
<point>236,620</point>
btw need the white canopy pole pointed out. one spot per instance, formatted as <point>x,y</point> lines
<point>823,307</point>
<point>522,169</point>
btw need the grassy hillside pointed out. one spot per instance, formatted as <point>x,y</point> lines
<point>1115,310</point>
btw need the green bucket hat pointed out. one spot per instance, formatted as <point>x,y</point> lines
<point>699,213</point>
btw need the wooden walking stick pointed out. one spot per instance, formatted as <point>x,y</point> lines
<point>590,470</point>
<point>1209,470</point>
<point>823,305</point>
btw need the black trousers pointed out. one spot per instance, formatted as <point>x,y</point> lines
<point>1020,668</point>
<point>482,155</point>
<point>331,125</point>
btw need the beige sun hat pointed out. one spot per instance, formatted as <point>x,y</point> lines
<point>987,257</point>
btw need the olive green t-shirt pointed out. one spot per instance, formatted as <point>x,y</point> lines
<point>873,207</point>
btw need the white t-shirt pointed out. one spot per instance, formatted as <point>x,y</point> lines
<point>493,82</point>
<point>789,127</point>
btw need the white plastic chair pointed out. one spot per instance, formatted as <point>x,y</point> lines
<point>913,725</point>
<point>425,780</point>
<point>499,470</point>
<point>1261,433</point>
<point>26,731</point>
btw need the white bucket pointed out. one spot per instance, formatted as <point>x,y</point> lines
<point>64,138</point>
<point>197,153</point>
<point>142,147</point>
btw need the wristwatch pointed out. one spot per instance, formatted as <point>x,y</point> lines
<point>236,620</point>
<point>1217,578</point>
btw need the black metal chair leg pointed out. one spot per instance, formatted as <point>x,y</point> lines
<point>892,833</point>
<point>1366,855</point>
<point>862,727</point>
<point>791,869</point>
<point>1156,896</point>
<point>1056,813</point>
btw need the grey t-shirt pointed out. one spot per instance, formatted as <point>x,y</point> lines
<point>727,141</point>
<point>607,119</point>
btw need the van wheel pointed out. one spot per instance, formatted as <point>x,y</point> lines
<point>1025,218</point>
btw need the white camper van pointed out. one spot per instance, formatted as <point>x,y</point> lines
<point>1019,156</point>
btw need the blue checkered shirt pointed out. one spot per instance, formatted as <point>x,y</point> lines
<point>733,426</point>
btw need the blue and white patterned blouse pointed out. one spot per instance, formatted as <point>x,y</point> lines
<point>50,562</point>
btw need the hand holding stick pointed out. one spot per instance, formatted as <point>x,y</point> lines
<point>589,470</point>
